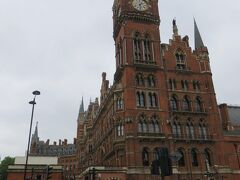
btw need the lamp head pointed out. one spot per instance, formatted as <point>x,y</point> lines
<point>36,93</point>
<point>32,102</point>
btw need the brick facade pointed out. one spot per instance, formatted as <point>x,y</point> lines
<point>162,97</point>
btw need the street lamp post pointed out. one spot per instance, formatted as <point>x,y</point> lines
<point>33,102</point>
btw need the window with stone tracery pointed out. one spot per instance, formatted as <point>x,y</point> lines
<point>180,59</point>
<point>137,47</point>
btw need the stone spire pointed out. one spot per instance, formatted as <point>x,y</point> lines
<point>81,113</point>
<point>81,110</point>
<point>198,38</point>
<point>35,137</point>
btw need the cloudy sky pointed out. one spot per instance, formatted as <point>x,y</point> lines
<point>61,47</point>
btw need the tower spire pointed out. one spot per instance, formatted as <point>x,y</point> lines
<point>81,110</point>
<point>36,130</point>
<point>197,35</point>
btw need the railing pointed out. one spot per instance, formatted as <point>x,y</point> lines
<point>150,62</point>
<point>189,137</point>
<point>151,134</point>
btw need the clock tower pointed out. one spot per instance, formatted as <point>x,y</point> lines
<point>136,32</point>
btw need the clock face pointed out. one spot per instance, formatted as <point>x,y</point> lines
<point>140,5</point>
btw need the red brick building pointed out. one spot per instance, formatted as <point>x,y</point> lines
<point>162,100</point>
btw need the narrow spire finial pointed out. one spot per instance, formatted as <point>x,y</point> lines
<point>197,35</point>
<point>175,28</point>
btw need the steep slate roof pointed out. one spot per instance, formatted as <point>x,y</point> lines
<point>234,114</point>
<point>198,38</point>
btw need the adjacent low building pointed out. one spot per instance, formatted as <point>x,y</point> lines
<point>37,168</point>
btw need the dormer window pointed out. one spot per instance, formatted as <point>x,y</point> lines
<point>180,59</point>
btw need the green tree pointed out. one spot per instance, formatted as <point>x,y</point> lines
<point>4,166</point>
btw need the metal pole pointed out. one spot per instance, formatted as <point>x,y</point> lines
<point>29,137</point>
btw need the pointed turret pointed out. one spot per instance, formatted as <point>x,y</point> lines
<point>198,38</point>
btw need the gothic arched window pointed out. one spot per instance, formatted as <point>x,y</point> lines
<point>198,105</point>
<point>196,86</point>
<point>202,131</point>
<point>137,47</point>
<point>184,84</point>
<point>194,157</point>
<point>145,157</point>
<point>207,157</point>
<point>139,80</point>
<point>152,97</point>
<point>140,99</point>
<point>174,103</point>
<point>151,81</point>
<point>186,104</point>
<point>147,48</point>
<point>142,124</point>
<point>181,161</point>
<point>155,124</point>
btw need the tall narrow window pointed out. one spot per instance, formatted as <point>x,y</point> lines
<point>207,157</point>
<point>174,103</point>
<point>186,104</point>
<point>142,124</point>
<point>147,48</point>
<point>196,86</point>
<point>192,132</point>
<point>155,123</point>
<point>181,161</point>
<point>119,103</point>
<point>184,84</point>
<point>151,81</point>
<point>140,99</point>
<point>137,47</point>
<point>194,157</point>
<point>172,84</point>
<point>145,157</point>
<point>139,80</point>
<point>174,129</point>
<point>198,105</point>
<point>202,131</point>
<point>152,98</point>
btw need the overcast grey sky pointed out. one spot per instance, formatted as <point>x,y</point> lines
<point>61,47</point>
